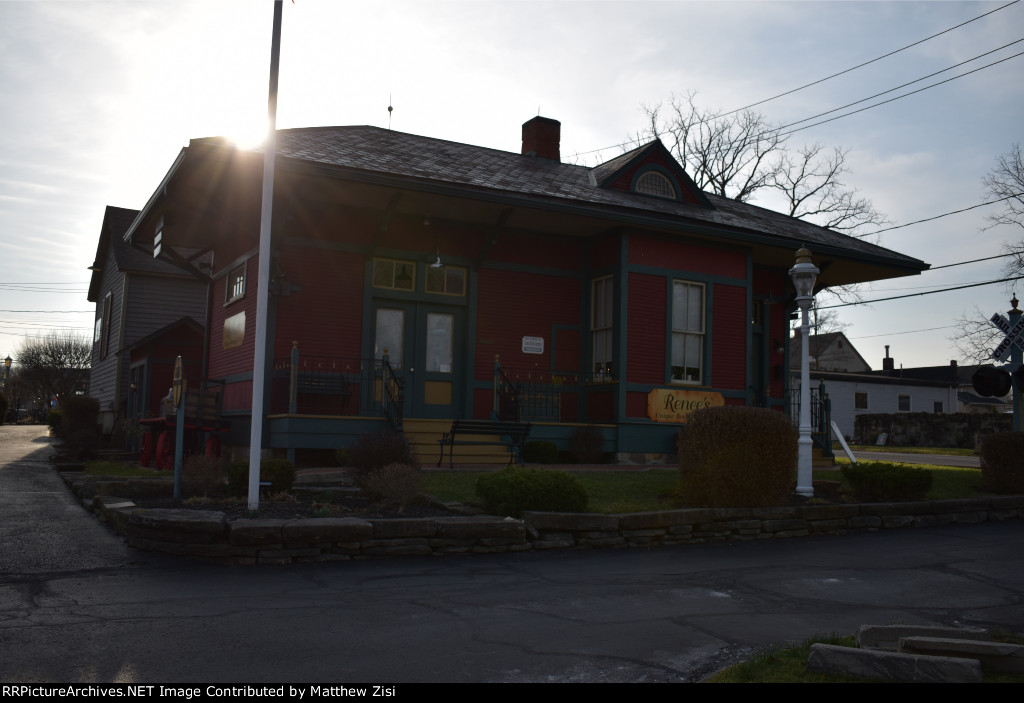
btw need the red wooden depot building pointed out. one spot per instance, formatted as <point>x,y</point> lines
<point>418,279</point>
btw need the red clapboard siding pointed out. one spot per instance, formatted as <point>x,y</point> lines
<point>604,253</point>
<point>665,253</point>
<point>224,362</point>
<point>729,325</point>
<point>325,317</point>
<point>600,406</point>
<point>636,404</point>
<point>514,304</point>
<point>645,335</point>
<point>547,252</point>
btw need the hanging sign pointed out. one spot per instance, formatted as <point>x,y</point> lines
<point>180,384</point>
<point>533,345</point>
<point>674,404</point>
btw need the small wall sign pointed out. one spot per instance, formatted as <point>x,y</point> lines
<point>674,404</point>
<point>533,345</point>
<point>234,331</point>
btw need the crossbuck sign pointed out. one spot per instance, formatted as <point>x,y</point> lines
<point>1014,335</point>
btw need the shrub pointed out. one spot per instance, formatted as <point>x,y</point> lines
<point>3,408</point>
<point>1002,462</point>
<point>377,450</point>
<point>737,456</point>
<point>79,412</point>
<point>341,457</point>
<point>513,490</point>
<point>883,481</point>
<point>587,445</point>
<point>279,472</point>
<point>53,420</point>
<point>395,483</point>
<point>539,451</point>
<point>202,476</point>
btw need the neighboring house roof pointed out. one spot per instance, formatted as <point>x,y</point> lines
<point>185,322</point>
<point>959,374</point>
<point>116,223</point>
<point>543,182</point>
<point>876,378</point>
<point>830,351</point>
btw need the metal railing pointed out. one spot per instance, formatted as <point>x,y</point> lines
<point>535,395</point>
<point>821,416</point>
<point>320,385</point>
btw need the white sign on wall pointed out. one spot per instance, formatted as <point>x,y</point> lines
<point>533,345</point>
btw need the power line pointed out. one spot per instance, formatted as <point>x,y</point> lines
<point>854,68</point>
<point>913,295</point>
<point>945,214</point>
<point>893,334</point>
<point>898,97</point>
<point>904,85</point>
<point>974,261</point>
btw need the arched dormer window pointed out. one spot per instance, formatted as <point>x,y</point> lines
<point>654,183</point>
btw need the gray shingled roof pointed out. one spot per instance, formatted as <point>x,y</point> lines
<point>383,151</point>
<point>116,221</point>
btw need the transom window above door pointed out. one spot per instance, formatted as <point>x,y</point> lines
<point>447,280</point>
<point>394,274</point>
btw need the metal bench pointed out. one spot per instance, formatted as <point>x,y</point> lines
<point>510,434</point>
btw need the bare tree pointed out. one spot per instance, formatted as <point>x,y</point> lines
<point>811,181</point>
<point>1006,180</point>
<point>741,154</point>
<point>730,155</point>
<point>54,366</point>
<point>975,337</point>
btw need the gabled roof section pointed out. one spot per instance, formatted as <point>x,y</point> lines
<point>183,323</point>
<point>621,172</point>
<point>116,223</point>
<point>382,158</point>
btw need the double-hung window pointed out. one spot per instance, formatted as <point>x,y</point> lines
<point>687,332</point>
<point>601,317</point>
<point>234,289</point>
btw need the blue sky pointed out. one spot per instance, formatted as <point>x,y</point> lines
<point>99,97</point>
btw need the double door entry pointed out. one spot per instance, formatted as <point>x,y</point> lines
<point>424,347</point>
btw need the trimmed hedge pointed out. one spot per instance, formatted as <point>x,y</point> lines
<point>1002,462</point>
<point>735,456</point>
<point>886,481</point>
<point>280,473</point>
<point>512,490</point>
<point>377,450</point>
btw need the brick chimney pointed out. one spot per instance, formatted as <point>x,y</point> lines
<point>541,137</point>
<point>888,363</point>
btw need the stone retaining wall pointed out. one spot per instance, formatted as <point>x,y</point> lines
<point>209,535</point>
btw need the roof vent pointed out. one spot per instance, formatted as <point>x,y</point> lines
<point>541,137</point>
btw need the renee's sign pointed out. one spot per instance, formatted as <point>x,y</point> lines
<point>674,404</point>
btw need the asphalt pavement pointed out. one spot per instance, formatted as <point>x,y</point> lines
<point>77,605</point>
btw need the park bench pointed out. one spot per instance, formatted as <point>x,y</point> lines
<point>510,434</point>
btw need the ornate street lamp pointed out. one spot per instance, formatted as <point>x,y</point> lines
<point>804,274</point>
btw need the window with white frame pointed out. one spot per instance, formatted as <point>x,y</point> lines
<point>394,274</point>
<point>234,288</point>
<point>654,183</point>
<point>101,333</point>
<point>687,332</point>
<point>601,316</point>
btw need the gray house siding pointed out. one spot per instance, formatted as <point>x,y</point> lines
<point>157,301</point>
<point>103,374</point>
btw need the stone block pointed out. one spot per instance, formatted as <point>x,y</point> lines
<point>327,529</point>
<point>664,519</point>
<point>887,637</point>
<point>997,656</point>
<point>400,528</point>
<point>827,526</point>
<point>892,521</point>
<point>889,666</point>
<point>256,532</point>
<point>865,521</point>
<point>479,527</point>
<point>571,522</point>
<point>829,512</point>
<point>206,522</point>
<point>784,525</point>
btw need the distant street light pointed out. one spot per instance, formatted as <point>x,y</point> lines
<point>804,274</point>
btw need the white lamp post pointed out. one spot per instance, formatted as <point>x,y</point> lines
<point>804,273</point>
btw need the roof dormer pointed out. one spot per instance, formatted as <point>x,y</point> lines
<point>649,170</point>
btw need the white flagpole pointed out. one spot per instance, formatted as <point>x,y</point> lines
<point>263,282</point>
